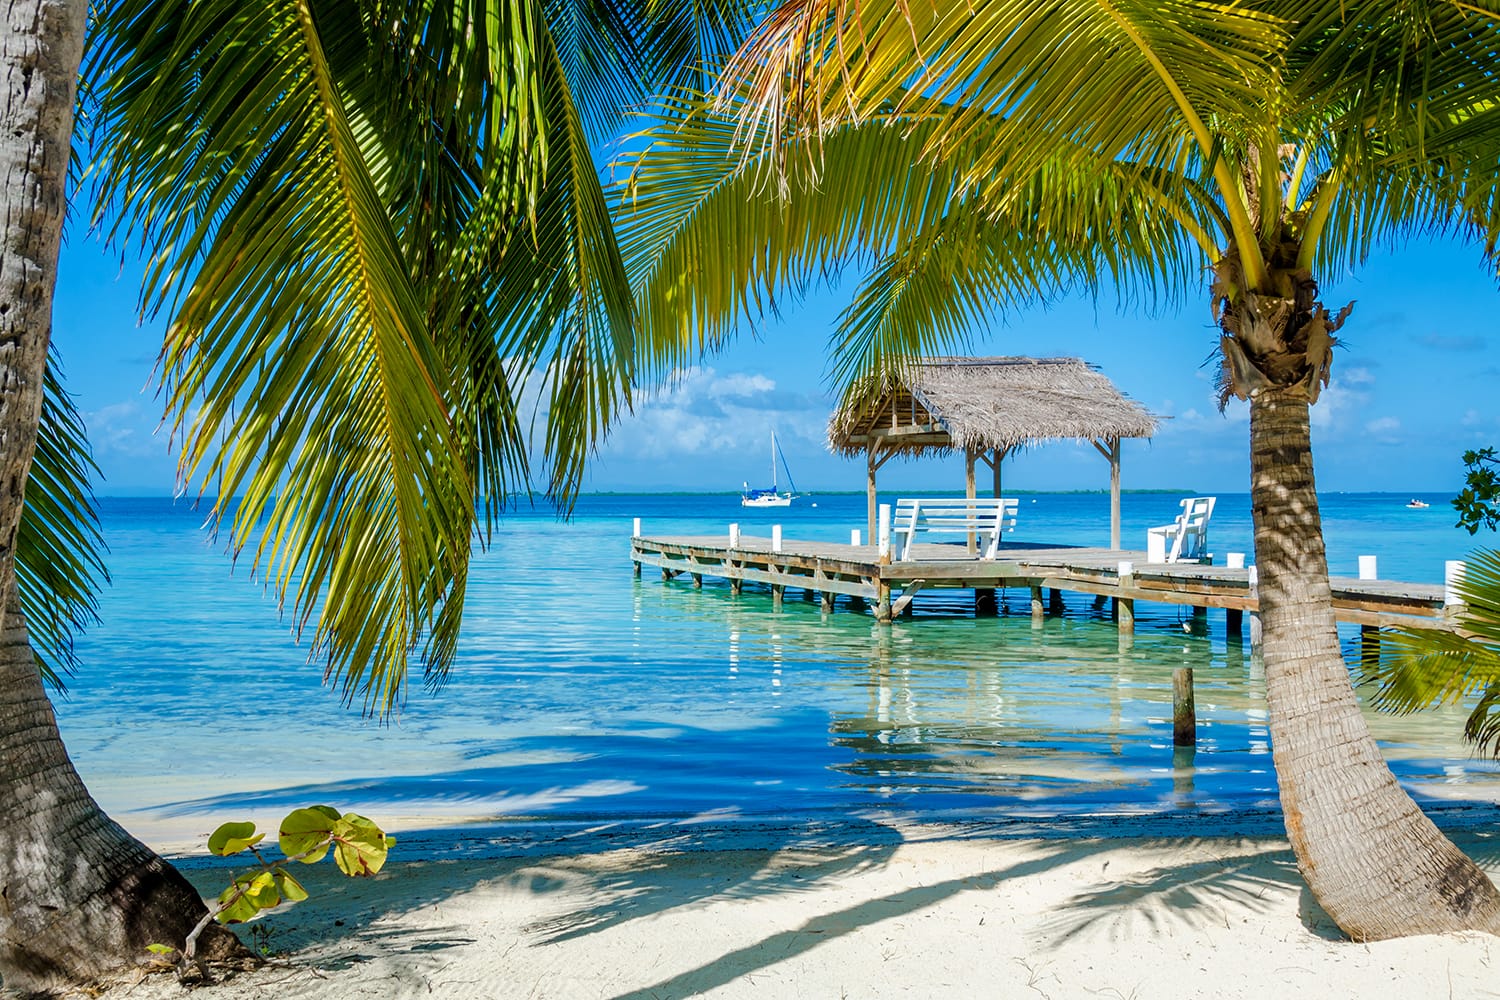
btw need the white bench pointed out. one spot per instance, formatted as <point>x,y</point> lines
<point>983,517</point>
<point>1185,539</point>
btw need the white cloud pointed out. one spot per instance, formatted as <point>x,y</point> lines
<point>701,412</point>
<point>1384,429</point>
<point>124,429</point>
<point>1353,377</point>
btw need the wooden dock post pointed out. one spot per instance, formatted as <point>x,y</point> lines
<point>697,581</point>
<point>775,538</point>
<point>777,594</point>
<point>883,603</point>
<point>1255,615</point>
<point>1037,612</point>
<point>826,603</point>
<point>635,532</point>
<point>884,550</point>
<point>1184,712</point>
<point>1368,568</point>
<point>666,574</point>
<point>1125,606</point>
<point>1054,601</point>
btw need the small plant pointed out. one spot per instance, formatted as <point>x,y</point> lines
<point>307,836</point>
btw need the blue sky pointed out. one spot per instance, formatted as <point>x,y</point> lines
<point>1414,385</point>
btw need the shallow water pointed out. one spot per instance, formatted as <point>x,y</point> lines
<point>580,692</point>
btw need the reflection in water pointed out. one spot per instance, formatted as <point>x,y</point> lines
<point>665,700</point>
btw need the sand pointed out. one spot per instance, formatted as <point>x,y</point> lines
<point>859,908</point>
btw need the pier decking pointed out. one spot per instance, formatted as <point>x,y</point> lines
<point>829,569</point>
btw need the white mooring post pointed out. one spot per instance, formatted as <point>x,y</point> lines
<point>854,537</point>
<point>1368,568</point>
<point>635,531</point>
<point>1453,576</point>
<point>885,530</point>
<point>775,538</point>
<point>1235,560</point>
<point>734,536</point>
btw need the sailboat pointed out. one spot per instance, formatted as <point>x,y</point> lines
<point>772,497</point>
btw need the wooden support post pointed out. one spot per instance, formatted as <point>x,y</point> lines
<point>1125,606</point>
<point>697,581</point>
<point>1037,610</point>
<point>1254,577</point>
<point>1184,712</point>
<point>985,603</point>
<point>777,592</point>
<point>870,466</point>
<point>637,570</point>
<point>969,492</point>
<point>736,586</point>
<point>1054,601</point>
<point>1110,449</point>
<point>883,603</point>
<point>666,574</point>
<point>827,601</point>
<point>903,603</point>
<point>1234,623</point>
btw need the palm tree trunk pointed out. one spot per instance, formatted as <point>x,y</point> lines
<point>79,897</point>
<point>1373,860</point>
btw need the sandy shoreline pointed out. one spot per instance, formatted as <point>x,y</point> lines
<point>860,908</point>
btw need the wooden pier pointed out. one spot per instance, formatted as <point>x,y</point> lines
<point>830,570</point>
<point>866,576</point>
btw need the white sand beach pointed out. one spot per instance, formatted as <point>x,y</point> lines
<point>854,910</point>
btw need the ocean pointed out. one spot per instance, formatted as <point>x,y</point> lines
<point>582,694</point>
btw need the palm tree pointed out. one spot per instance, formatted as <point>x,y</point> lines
<point>373,228</point>
<point>988,152</point>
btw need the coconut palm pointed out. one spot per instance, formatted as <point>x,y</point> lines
<point>374,229</point>
<point>986,153</point>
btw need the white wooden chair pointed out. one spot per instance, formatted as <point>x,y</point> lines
<point>1186,538</point>
<point>984,517</point>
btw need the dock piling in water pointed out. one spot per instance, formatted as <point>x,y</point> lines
<point>1184,711</point>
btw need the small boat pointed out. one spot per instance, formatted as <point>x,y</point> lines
<point>773,497</point>
<point>1416,504</point>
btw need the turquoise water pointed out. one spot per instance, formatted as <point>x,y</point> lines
<point>582,693</point>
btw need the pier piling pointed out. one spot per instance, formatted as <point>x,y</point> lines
<point>1184,711</point>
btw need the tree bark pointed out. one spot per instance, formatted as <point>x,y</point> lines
<point>79,897</point>
<point>1373,860</point>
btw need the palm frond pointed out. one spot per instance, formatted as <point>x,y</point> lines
<point>59,546</point>
<point>1422,668</point>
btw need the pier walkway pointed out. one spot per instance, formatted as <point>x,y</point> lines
<point>859,572</point>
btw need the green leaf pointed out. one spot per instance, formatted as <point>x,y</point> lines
<point>232,838</point>
<point>237,907</point>
<point>303,829</point>
<point>291,890</point>
<point>360,847</point>
<point>161,949</point>
<point>262,890</point>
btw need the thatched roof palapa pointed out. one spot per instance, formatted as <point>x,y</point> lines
<point>986,407</point>
<point>976,404</point>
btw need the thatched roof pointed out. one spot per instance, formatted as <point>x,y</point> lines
<point>941,404</point>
